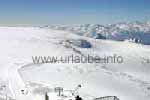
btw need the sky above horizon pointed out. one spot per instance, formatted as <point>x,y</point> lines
<point>43,12</point>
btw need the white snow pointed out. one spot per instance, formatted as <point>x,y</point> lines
<point>128,81</point>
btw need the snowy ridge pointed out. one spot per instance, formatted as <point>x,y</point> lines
<point>134,32</point>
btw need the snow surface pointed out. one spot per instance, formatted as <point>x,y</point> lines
<point>128,81</point>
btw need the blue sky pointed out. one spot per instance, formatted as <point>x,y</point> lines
<point>40,12</point>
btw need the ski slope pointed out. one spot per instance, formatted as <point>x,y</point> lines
<point>128,81</point>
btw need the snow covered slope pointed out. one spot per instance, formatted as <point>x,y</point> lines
<point>129,80</point>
